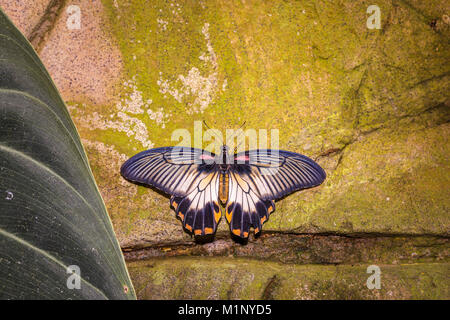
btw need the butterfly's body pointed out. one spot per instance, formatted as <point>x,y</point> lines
<point>223,186</point>
<point>246,183</point>
<point>223,178</point>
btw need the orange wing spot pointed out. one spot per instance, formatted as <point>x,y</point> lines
<point>263,219</point>
<point>217,216</point>
<point>181,215</point>
<point>208,230</point>
<point>228,216</point>
<point>175,205</point>
<point>198,232</point>
<point>256,230</point>
<point>245,234</point>
<point>270,209</point>
<point>236,232</point>
<point>188,227</point>
<point>217,213</point>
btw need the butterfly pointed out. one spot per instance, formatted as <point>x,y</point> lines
<point>245,183</point>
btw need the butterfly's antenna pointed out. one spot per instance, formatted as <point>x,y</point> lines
<point>239,132</point>
<point>204,122</point>
<point>206,125</point>
<point>242,124</point>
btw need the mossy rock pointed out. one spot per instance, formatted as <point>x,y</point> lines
<point>216,278</point>
<point>372,106</point>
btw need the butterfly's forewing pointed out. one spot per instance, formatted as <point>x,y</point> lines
<point>190,175</point>
<point>260,176</point>
<point>277,173</point>
<point>173,170</point>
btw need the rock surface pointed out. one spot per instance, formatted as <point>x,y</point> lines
<point>216,278</point>
<point>26,15</point>
<point>371,106</point>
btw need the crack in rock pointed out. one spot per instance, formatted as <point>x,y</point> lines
<point>42,29</point>
<point>322,248</point>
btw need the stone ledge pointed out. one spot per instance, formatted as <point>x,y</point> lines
<point>229,278</point>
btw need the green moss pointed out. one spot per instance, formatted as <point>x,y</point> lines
<point>391,181</point>
<point>224,278</point>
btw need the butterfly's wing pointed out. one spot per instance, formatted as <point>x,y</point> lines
<point>258,177</point>
<point>190,175</point>
<point>245,208</point>
<point>199,210</point>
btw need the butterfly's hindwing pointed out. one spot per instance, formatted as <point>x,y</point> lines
<point>245,209</point>
<point>199,210</point>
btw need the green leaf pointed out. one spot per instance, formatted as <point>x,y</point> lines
<point>51,213</point>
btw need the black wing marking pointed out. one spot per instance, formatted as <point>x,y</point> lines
<point>260,176</point>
